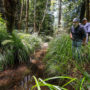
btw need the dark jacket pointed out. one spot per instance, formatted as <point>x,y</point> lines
<point>78,33</point>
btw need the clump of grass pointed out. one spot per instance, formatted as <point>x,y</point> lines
<point>31,41</point>
<point>59,58</point>
<point>39,82</point>
<point>59,55</point>
<point>74,82</point>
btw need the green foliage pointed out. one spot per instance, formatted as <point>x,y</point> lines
<point>17,48</point>
<point>70,10</point>
<point>59,55</point>
<point>44,82</point>
<point>47,25</point>
<point>31,41</point>
<point>59,60</point>
<point>70,81</point>
<point>3,32</point>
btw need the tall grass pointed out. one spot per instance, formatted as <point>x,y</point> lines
<point>39,82</point>
<point>59,58</point>
<point>59,55</point>
<point>70,81</point>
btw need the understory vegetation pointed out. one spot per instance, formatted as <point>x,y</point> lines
<point>59,59</point>
<point>74,82</point>
<point>16,48</point>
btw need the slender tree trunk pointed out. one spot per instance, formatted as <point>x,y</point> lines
<point>27,14</point>
<point>87,10</point>
<point>10,10</point>
<point>35,16</point>
<point>40,26</point>
<point>82,13</point>
<point>21,14</point>
<point>59,16</point>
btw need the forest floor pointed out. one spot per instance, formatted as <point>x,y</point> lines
<point>9,79</point>
<point>16,79</point>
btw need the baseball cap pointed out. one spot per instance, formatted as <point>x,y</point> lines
<point>84,19</point>
<point>75,20</point>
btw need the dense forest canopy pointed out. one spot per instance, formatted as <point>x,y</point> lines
<point>43,16</point>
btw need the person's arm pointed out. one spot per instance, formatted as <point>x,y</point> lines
<point>71,35</point>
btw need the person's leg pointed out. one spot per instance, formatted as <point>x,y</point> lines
<point>78,50</point>
<point>73,49</point>
<point>87,38</point>
<point>73,52</point>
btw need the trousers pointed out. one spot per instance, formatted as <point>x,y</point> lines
<point>76,49</point>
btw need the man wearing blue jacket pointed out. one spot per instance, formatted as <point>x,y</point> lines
<point>78,36</point>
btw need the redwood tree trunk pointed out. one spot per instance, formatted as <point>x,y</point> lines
<point>10,10</point>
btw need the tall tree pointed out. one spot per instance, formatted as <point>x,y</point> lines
<point>88,9</point>
<point>82,12</point>
<point>21,14</point>
<point>35,16</point>
<point>40,26</point>
<point>27,14</point>
<point>59,16</point>
<point>10,10</point>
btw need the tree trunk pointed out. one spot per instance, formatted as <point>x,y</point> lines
<point>59,18</point>
<point>82,12</point>
<point>40,26</point>
<point>27,14</point>
<point>87,10</point>
<point>21,13</point>
<point>10,9</point>
<point>35,16</point>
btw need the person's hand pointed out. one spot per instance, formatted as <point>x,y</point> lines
<point>71,36</point>
<point>83,43</point>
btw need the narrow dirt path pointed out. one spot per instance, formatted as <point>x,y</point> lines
<point>37,61</point>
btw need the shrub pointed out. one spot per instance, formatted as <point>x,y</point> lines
<point>17,48</point>
<point>3,32</point>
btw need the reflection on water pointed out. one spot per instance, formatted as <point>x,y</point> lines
<point>27,83</point>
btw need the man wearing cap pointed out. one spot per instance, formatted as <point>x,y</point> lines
<point>78,36</point>
<point>87,28</point>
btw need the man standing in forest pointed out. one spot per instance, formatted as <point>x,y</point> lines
<point>87,28</point>
<point>78,36</point>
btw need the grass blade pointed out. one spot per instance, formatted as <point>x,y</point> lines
<point>82,83</point>
<point>37,84</point>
